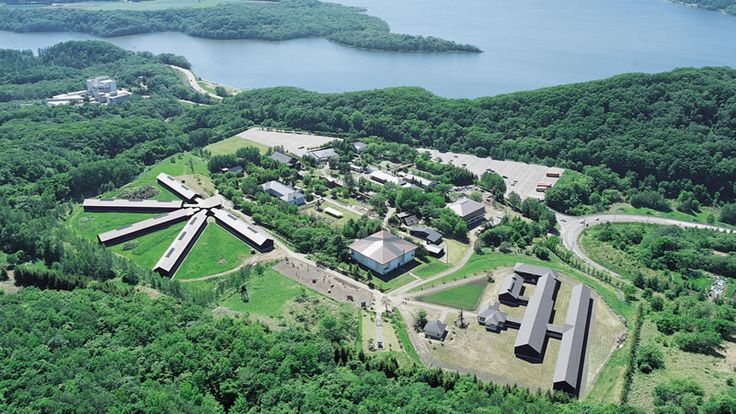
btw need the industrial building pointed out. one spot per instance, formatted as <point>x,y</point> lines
<point>101,89</point>
<point>177,187</point>
<point>383,177</point>
<point>283,192</point>
<point>177,251</point>
<point>419,181</point>
<point>131,206</point>
<point>472,212</point>
<point>382,252</point>
<point>531,339</point>
<point>322,155</point>
<point>242,230</point>
<point>140,228</point>
<point>429,234</point>
<point>195,211</point>
<point>535,328</point>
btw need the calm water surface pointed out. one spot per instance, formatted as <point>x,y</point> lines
<point>528,44</point>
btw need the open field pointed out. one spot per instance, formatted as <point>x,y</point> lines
<point>431,267</point>
<point>184,164</point>
<point>232,144</point>
<point>466,296</point>
<point>525,175</point>
<point>216,251</point>
<point>710,371</point>
<point>90,224</point>
<point>268,295</point>
<point>148,249</point>
<point>393,283</point>
<point>295,143</point>
<point>334,222</point>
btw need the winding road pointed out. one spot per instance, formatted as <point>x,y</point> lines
<point>571,227</point>
<point>193,81</point>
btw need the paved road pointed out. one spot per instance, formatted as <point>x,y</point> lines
<point>193,82</point>
<point>571,227</point>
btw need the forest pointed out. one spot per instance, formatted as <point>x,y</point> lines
<point>286,19</point>
<point>668,132</point>
<point>728,6</point>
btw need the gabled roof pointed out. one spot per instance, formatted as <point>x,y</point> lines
<point>435,327</point>
<point>281,157</point>
<point>382,247</point>
<point>465,207</point>
<point>278,188</point>
<point>533,329</point>
<point>385,177</point>
<point>177,187</point>
<point>428,233</point>
<point>323,154</point>
<point>538,271</point>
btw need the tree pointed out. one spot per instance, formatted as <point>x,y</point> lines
<point>493,183</point>
<point>687,202</point>
<point>420,320</point>
<point>728,213</point>
<point>244,296</point>
<point>221,91</point>
<point>649,357</point>
<point>685,394</point>
<point>514,200</point>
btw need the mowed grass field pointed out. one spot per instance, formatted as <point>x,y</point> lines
<point>269,294</point>
<point>216,251</point>
<point>465,296</point>
<point>232,144</point>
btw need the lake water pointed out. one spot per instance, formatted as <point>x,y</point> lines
<point>528,44</point>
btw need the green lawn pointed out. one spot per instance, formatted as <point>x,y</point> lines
<point>268,294</point>
<point>216,251</point>
<point>334,222</point>
<point>90,225</point>
<point>396,282</point>
<point>232,144</point>
<point>430,268</point>
<point>403,334</point>
<point>147,250</point>
<point>465,296</point>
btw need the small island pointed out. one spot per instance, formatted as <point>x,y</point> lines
<point>284,20</point>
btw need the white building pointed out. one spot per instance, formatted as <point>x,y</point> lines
<point>284,192</point>
<point>382,252</point>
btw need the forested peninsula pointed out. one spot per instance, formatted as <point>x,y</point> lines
<point>726,6</point>
<point>287,19</point>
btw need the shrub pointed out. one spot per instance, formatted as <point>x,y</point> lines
<point>698,342</point>
<point>649,358</point>
<point>650,199</point>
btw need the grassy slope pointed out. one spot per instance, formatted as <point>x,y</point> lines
<point>700,217</point>
<point>465,296</point>
<point>269,294</point>
<point>232,144</point>
<point>216,251</point>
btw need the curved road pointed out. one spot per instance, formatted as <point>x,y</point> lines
<point>572,226</point>
<point>193,81</point>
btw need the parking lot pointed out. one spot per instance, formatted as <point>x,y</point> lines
<point>293,142</point>
<point>520,177</point>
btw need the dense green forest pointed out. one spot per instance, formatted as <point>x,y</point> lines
<point>667,132</point>
<point>288,19</point>
<point>91,351</point>
<point>728,6</point>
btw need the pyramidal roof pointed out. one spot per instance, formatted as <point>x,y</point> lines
<point>382,246</point>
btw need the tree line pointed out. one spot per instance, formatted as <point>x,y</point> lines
<point>282,20</point>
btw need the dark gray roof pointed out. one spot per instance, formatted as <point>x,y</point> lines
<point>324,154</point>
<point>240,227</point>
<point>122,204</point>
<point>187,236</point>
<point>572,348</point>
<point>527,269</point>
<point>465,207</point>
<point>176,187</point>
<point>128,231</point>
<point>428,233</point>
<point>435,328</point>
<point>533,329</point>
<point>511,285</point>
<point>281,157</point>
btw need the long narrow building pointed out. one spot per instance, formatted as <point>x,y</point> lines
<point>571,358</point>
<point>135,206</point>
<point>242,230</point>
<point>170,261</point>
<point>140,228</point>
<point>530,340</point>
<point>177,187</point>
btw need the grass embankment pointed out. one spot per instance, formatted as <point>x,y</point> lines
<point>232,144</point>
<point>465,296</point>
<point>700,217</point>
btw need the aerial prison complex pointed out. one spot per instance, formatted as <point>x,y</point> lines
<point>193,208</point>
<point>535,329</point>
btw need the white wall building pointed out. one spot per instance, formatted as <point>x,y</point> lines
<point>382,252</point>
